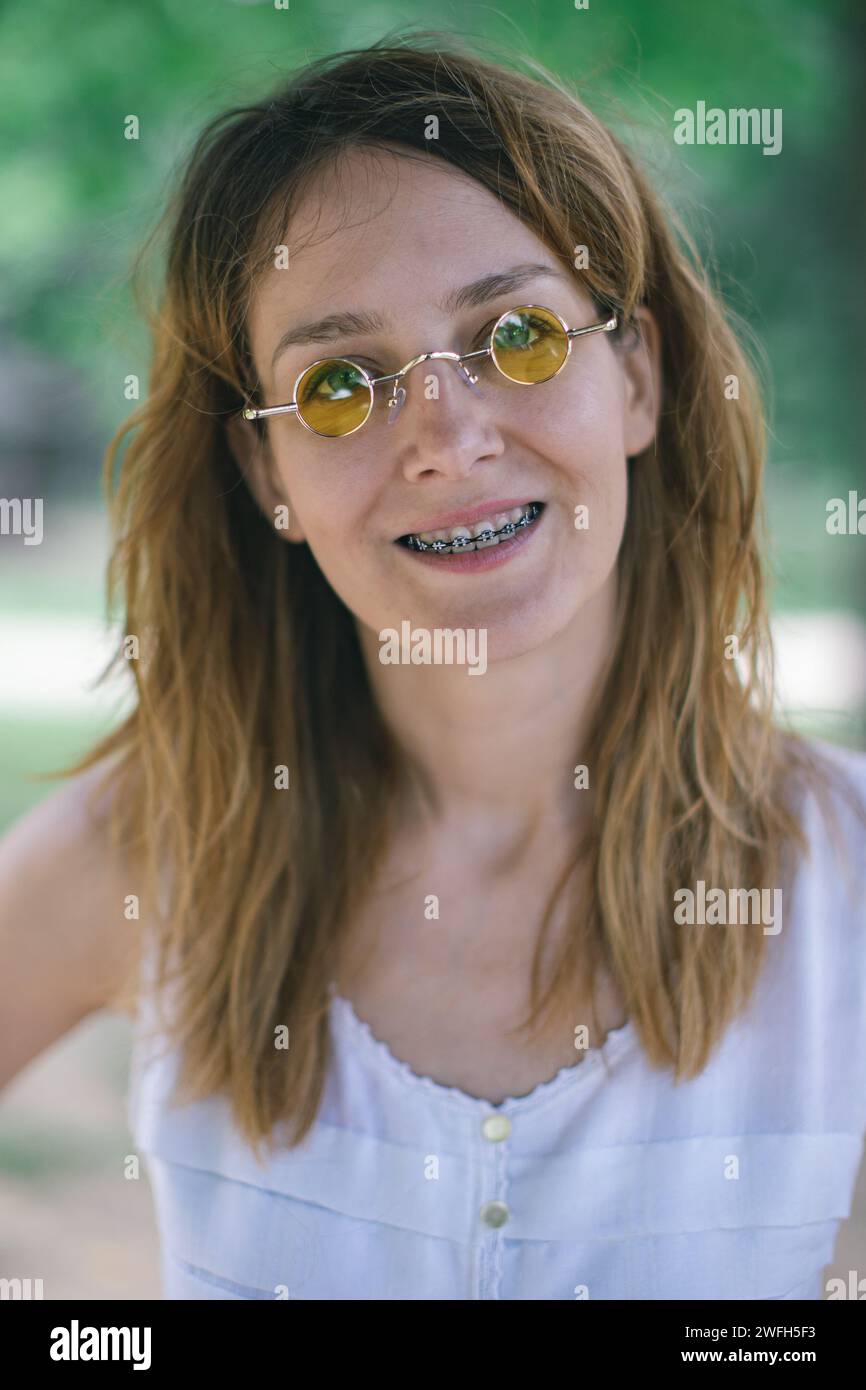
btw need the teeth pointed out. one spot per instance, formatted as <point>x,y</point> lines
<point>483,530</point>
<point>462,533</point>
<point>479,536</point>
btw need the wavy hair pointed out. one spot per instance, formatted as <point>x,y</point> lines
<point>249,661</point>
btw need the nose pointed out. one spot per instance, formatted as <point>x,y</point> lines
<point>446,431</point>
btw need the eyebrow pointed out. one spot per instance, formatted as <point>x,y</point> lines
<point>481,291</point>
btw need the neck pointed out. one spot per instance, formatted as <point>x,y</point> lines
<point>498,751</point>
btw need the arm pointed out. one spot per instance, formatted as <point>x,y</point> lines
<point>65,944</point>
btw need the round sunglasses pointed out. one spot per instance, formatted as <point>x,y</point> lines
<point>334,396</point>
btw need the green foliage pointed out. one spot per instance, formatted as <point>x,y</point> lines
<point>780,232</point>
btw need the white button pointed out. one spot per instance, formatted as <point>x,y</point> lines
<point>494,1213</point>
<point>496,1127</point>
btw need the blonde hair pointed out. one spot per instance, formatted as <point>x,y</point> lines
<point>250,661</point>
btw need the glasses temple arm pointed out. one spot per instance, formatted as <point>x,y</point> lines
<point>594,328</point>
<point>254,413</point>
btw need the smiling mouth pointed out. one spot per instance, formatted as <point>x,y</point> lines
<point>463,538</point>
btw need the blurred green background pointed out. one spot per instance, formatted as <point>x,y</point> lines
<point>783,234</point>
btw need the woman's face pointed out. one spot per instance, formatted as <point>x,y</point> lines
<point>395,239</point>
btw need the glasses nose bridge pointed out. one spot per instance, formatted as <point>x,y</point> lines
<point>427,357</point>
<point>398,391</point>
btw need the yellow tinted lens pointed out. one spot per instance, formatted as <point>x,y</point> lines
<point>529,345</point>
<point>334,397</point>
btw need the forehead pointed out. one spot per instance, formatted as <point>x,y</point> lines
<point>377,231</point>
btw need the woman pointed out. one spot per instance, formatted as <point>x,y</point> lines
<point>493,942</point>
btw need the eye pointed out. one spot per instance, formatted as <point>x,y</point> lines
<point>335,380</point>
<point>366,364</point>
<point>520,330</point>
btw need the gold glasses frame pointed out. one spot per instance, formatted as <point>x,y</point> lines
<point>398,393</point>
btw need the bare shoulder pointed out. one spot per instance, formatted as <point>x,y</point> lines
<point>65,943</point>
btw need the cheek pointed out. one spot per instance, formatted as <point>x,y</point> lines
<point>324,495</point>
<point>589,412</point>
<point>330,506</point>
<point>579,432</point>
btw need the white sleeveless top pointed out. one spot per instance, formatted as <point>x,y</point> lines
<point>609,1181</point>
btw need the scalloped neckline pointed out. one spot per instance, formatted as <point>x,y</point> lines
<point>380,1055</point>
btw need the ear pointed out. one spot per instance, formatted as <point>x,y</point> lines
<point>640,356</point>
<point>253,456</point>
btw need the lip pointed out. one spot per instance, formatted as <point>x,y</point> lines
<point>478,561</point>
<point>466,515</point>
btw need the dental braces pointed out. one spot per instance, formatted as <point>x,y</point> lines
<point>460,542</point>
